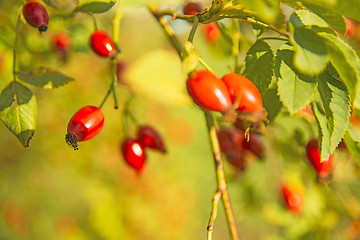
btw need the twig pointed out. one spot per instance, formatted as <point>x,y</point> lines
<point>220,174</point>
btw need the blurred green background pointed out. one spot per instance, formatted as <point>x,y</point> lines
<point>49,191</point>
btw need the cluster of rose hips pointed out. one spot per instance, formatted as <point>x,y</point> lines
<point>133,150</point>
<point>233,90</point>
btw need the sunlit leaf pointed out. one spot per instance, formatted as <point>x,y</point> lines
<point>310,49</point>
<point>18,111</point>
<point>303,17</point>
<point>259,65</point>
<point>46,78</point>
<point>348,8</point>
<point>345,61</point>
<point>332,17</point>
<point>271,103</point>
<point>336,102</point>
<point>295,89</point>
<point>158,75</point>
<point>324,133</point>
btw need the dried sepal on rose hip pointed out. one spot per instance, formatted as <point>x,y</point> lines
<point>102,44</point>
<point>151,138</point>
<point>84,125</point>
<point>36,15</point>
<point>208,91</point>
<point>134,154</point>
<point>322,168</point>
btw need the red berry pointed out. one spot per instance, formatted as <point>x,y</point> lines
<point>102,44</point>
<point>192,8</point>
<point>36,15</point>
<point>230,140</point>
<point>212,32</point>
<point>62,42</point>
<point>254,145</point>
<point>84,125</point>
<point>149,137</point>
<point>293,198</point>
<point>243,90</point>
<point>312,151</point>
<point>134,154</point>
<point>208,91</point>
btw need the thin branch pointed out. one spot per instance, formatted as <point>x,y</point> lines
<point>167,29</point>
<point>220,177</point>
<point>115,33</point>
<point>215,203</point>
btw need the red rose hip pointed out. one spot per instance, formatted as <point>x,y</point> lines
<point>245,91</point>
<point>313,154</point>
<point>36,15</point>
<point>212,32</point>
<point>84,125</point>
<point>62,42</point>
<point>134,154</point>
<point>208,91</point>
<point>292,197</point>
<point>149,137</point>
<point>102,44</point>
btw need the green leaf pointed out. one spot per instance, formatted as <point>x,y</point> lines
<point>258,29</point>
<point>345,61</point>
<point>95,6</point>
<point>271,103</point>
<point>158,75</point>
<point>303,17</point>
<point>335,99</point>
<point>353,132</point>
<point>352,144</point>
<point>46,78</point>
<point>324,133</point>
<point>295,89</point>
<point>349,8</point>
<point>333,18</point>
<point>18,111</point>
<point>310,51</point>
<point>259,65</point>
